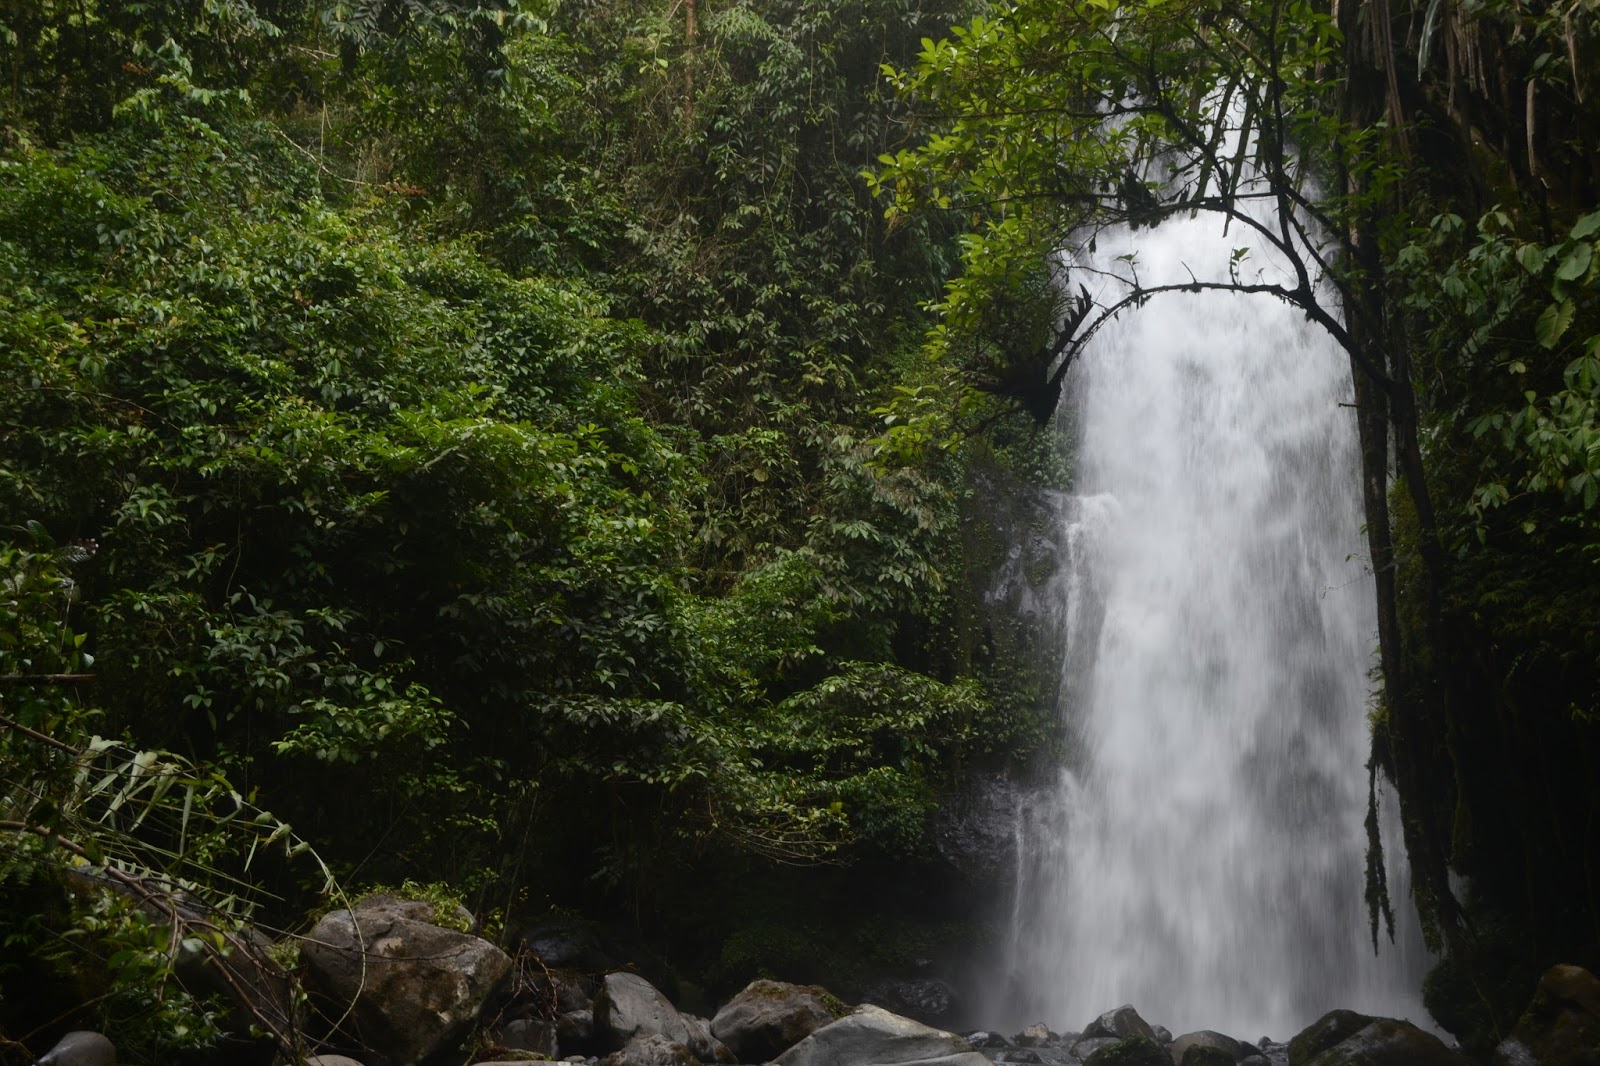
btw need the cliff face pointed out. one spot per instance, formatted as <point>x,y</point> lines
<point>1494,666</point>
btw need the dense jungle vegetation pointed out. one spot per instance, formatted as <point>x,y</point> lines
<point>562,450</point>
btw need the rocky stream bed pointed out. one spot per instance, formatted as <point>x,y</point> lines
<point>392,983</point>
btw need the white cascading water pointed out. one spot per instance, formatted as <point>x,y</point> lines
<point>1203,858</point>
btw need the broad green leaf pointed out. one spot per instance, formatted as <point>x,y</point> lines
<point>1533,258</point>
<point>1576,264</point>
<point>1553,322</point>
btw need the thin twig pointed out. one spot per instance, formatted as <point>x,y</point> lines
<point>42,738</point>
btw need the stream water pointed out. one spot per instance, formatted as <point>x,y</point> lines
<point>1202,856</point>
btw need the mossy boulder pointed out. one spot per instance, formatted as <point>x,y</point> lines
<point>767,1018</point>
<point>1561,1024</point>
<point>1389,1042</point>
<point>1131,1051</point>
<point>1322,1034</point>
<point>403,987</point>
<point>1204,1055</point>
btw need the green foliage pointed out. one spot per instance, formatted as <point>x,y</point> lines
<point>1048,123</point>
<point>106,847</point>
<point>465,402</point>
<point>453,423</point>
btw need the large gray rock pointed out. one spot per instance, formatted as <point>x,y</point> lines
<point>871,1036</point>
<point>1036,1035</point>
<point>767,1018</point>
<point>403,987</point>
<point>651,1049</point>
<point>1324,1033</point>
<point>81,1048</point>
<point>1121,1023</point>
<point>1388,1042</point>
<point>628,1006</point>
<point>1560,1026</point>
<point>1207,1038</point>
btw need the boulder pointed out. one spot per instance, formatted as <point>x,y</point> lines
<point>1122,1023</point>
<point>927,1000</point>
<point>402,987</point>
<point>1324,1033</point>
<point>871,1036</point>
<point>81,1048</point>
<point>1205,1055</point>
<point>1561,1025</point>
<point>1163,1034</point>
<point>1134,1050</point>
<point>767,1018</point>
<point>628,1006</point>
<point>1036,1035</point>
<point>651,1049</point>
<point>331,1060</point>
<point>1207,1038</point>
<point>1021,1054</point>
<point>1388,1042</point>
<point>983,1038</point>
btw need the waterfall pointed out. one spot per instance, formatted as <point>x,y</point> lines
<point>1202,855</point>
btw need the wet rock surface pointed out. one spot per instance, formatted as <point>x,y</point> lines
<point>1324,1033</point>
<point>1561,1024</point>
<point>1389,1042</point>
<point>1121,1023</point>
<point>1207,1038</point>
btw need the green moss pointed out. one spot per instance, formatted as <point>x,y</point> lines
<point>1133,1051</point>
<point>449,907</point>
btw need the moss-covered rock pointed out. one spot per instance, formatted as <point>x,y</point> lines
<point>769,1017</point>
<point>1389,1042</point>
<point>1561,1024</point>
<point>1205,1055</point>
<point>1132,1051</point>
<point>1324,1033</point>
